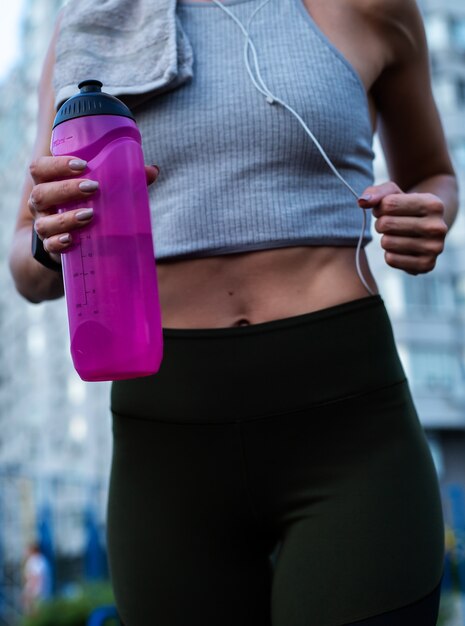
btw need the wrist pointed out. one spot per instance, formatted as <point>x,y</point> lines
<point>41,255</point>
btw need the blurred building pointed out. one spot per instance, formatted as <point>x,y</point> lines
<point>428,312</point>
<point>55,442</point>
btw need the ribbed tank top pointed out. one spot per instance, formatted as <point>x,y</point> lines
<point>239,174</point>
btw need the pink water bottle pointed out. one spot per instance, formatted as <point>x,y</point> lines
<point>109,270</point>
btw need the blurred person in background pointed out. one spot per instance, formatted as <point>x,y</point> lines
<point>281,415</point>
<point>37,580</point>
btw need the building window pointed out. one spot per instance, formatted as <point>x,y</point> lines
<point>435,369</point>
<point>437,31</point>
<point>76,390</point>
<point>460,87</point>
<point>428,295</point>
<point>458,154</point>
<point>459,293</point>
<point>445,92</point>
<point>36,342</point>
<point>457,33</point>
<point>69,530</point>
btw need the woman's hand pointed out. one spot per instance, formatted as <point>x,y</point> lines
<point>60,180</point>
<point>412,226</point>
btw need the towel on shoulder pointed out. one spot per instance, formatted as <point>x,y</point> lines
<point>136,48</point>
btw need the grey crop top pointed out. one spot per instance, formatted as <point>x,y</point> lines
<point>238,174</point>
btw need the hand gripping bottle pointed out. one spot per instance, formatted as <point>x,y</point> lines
<point>109,270</point>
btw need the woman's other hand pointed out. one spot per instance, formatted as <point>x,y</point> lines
<point>412,226</point>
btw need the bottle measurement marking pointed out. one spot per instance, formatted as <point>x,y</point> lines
<point>86,274</point>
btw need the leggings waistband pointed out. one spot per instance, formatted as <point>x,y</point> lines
<point>249,372</point>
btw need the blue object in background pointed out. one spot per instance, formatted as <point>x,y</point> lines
<point>94,556</point>
<point>100,616</point>
<point>2,572</point>
<point>457,503</point>
<point>447,583</point>
<point>45,540</point>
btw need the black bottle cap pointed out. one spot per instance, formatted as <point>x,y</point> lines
<point>90,100</point>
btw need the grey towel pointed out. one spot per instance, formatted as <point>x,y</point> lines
<point>134,47</point>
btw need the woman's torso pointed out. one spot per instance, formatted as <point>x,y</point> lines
<point>253,287</point>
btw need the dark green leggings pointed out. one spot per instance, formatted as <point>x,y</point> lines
<point>273,475</point>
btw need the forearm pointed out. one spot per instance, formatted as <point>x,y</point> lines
<point>445,187</point>
<point>33,281</point>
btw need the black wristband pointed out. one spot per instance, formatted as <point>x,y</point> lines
<point>40,255</point>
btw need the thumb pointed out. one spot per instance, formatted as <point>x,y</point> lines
<point>151,172</point>
<point>373,195</point>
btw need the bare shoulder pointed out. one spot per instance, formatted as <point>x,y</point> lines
<point>394,12</point>
<point>399,23</point>
<point>373,34</point>
<point>409,124</point>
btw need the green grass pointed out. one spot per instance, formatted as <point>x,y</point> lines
<point>74,610</point>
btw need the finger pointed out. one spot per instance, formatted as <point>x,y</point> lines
<point>57,244</point>
<point>410,264</point>
<point>419,204</point>
<point>429,227</point>
<point>62,223</point>
<point>374,194</point>
<point>44,196</point>
<point>412,246</point>
<point>151,172</point>
<point>47,168</point>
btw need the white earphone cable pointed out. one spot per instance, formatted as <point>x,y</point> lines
<point>271,99</point>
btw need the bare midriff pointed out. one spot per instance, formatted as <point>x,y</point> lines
<point>255,287</point>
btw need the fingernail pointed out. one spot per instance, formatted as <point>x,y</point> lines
<point>156,167</point>
<point>88,185</point>
<point>77,164</point>
<point>84,214</point>
<point>64,238</point>
<point>366,198</point>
